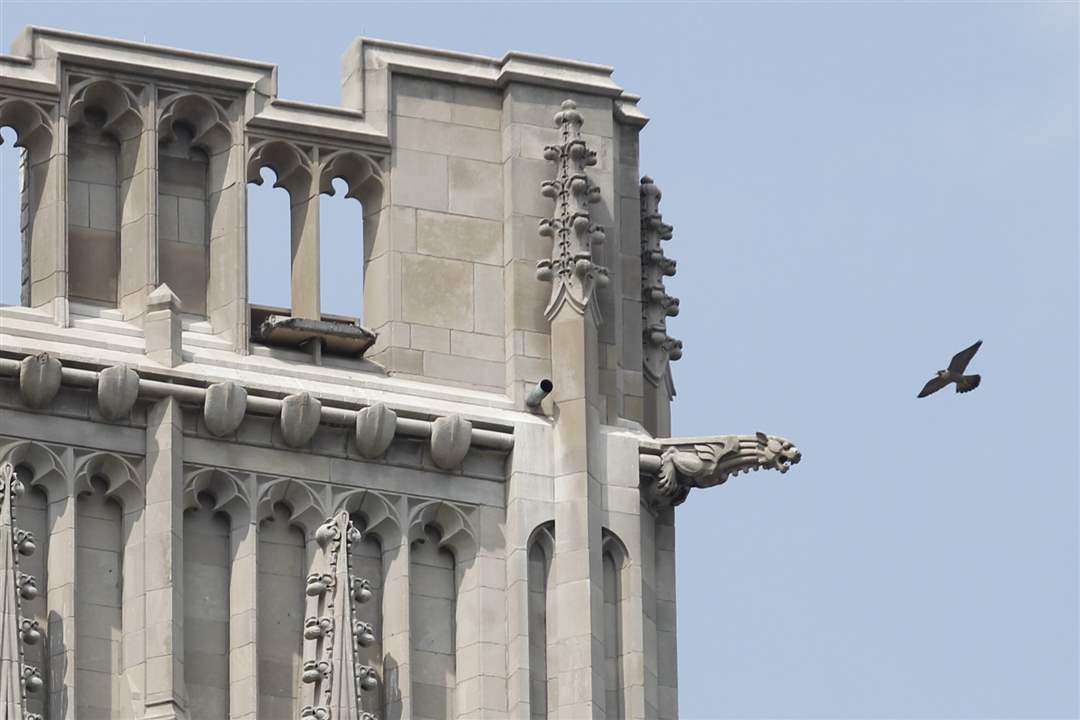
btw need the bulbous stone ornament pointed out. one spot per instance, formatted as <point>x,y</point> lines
<point>39,380</point>
<point>316,627</point>
<point>24,542</point>
<point>364,634</point>
<point>362,590</point>
<point>309,712</point>
<point>30,632</point>
<point>28,589</point>
<point>32,679</point>
<point>326,533</point>
<point>367,678</point>
<point>317,584</point>
<point>315,670</point>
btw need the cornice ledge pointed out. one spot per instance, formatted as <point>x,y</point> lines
<point>681,464</point>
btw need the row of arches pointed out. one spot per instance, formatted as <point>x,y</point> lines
<point>201,180</point>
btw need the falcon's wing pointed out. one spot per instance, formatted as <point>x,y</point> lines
<point>968,383</point>
<point>961,359</point>
<point>933,386</point>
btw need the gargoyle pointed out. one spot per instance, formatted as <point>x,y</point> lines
<point>705,462</point>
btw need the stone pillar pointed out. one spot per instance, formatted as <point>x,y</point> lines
<point>46,188</point>
<point>243,617</point>
<point>164,572</point>
<point>481,624</point>
<point>162,331</point>
<point>138,213</point>
<point>61,574</point>
<point>304,214</point>
<point>226,286</point>
<point>397,642</point>
<point>667,675</point>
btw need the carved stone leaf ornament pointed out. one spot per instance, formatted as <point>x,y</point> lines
<point>224,408</point>
<point>300,415</point>
<point>450,439</point>
<point>375,427</point>
<point>117,390</point>
<point>39,379</point>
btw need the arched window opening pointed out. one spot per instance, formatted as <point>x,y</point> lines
<point>93,212</point>
<point>341,253</point>
<point>13,219</point>
<point>432,613</point>
<point>269,275</point>
<point>183,219</point>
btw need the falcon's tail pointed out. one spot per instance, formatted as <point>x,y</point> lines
<point>968,383</point>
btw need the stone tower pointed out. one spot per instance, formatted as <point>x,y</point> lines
<point>458,506</point>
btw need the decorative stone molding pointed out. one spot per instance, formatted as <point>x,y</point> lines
<point>39,380</point>
<point>375,426</point>
<point>377,511</point>
<point>228,492</point>
<point>121,475</point>
<point>224,408</point>
<point>681,464</point>
<point>44,465</point>
<point>121,118</point>
<point>36,387</point>
<point>306,508</point>
<point>117,390</point>
<point>450,439</point>
<point>300,415</point>
<point>333,679</point>
<point>656,305</point>
<point>572,269</point>
<point>455,531</point>
<point>16,677</point>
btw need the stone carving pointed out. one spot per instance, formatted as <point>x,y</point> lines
<point>16,677</point>
<point>39,379</point>
<point>656,305</point>
<point>333,679</point>
<point>224,408</point>
<point>300,415</point>
<point>450,439</point>
<point>117,390</point>
<point>705,462</point>
<point>375,428</point>
<point>572,268</point>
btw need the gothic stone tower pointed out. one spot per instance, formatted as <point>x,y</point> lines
<point>458,506</point>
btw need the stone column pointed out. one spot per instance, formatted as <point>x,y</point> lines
<point>481,624</point>
<point>138,213</point>
<point>164,571</point>
<point>226,286</point>
<point>46,187</point>
<point>304,214</point>
<point>665,615</point>
<point>60,573</point>
<point>397,643</point>
<point>243,628</point>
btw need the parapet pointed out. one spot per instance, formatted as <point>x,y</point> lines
<point>137,162</point>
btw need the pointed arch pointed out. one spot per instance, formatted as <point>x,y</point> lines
<point>45,468</point>
<point>306,509</point>
<point>377,513</point>
<point>226,491</point>
<point>455,531</point>
<point>122,480</point>
<point>543,677</point>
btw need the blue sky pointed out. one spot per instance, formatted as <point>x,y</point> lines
<point>858,190</point>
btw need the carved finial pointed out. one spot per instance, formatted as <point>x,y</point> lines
<point>572,268</point>
<point>656,305</point>
<point>16,677</point>
<point>333,678</point>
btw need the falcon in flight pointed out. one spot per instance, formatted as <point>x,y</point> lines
<point>955,373</point>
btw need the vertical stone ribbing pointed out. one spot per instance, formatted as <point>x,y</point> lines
<point>397,643</point>
<point>665,615</point>
<point>243,618</point>
<point>164,557</point>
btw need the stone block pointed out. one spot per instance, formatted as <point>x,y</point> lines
<point>459,237</point>
<point>192,221</point>
<point>478,107</point>
<point>94,264</point>
<point>183,267</point>
<point>484,347</point>
<point>437,292</point>
<point>448,139</point>
<point>103,207</point>
<point>430,338</point>
<point>79,203</point>
<point>423,98</point>
<point>490,300</point>
<point>464,370</point>
<point>476,188</point>
<point>419,179</point>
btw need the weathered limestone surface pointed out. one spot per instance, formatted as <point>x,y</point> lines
<point>247,512</point>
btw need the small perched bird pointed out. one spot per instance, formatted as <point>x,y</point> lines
<point>955,373</point>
